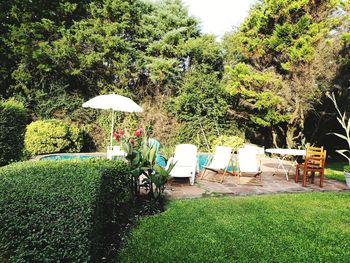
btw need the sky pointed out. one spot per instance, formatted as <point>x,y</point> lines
<point>219,16</point>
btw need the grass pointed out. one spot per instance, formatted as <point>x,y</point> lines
<point>334,170</point>
<point>311,227</point>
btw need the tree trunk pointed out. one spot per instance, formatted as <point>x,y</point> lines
<point>289,136</point>
<point>296,120</point>
<point>274,138</point>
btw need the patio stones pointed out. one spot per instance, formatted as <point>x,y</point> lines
<point>180,188</point>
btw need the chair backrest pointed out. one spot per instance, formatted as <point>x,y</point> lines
<point>314,149</point>
<point>221,158</point>
<point>315,158</point>
<point>185,153</point>
<point>247,160</point>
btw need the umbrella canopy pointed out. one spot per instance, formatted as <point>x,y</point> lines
<point>113,102</point>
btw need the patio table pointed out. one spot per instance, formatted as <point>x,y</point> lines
<point>283,153</point>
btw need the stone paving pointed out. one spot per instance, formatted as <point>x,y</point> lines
<point>179,188</point>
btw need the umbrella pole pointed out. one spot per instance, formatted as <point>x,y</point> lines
<point>112,128</point>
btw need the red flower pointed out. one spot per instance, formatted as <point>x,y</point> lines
<point>138,132</point>
<point>116,135</point>
<point>121,132</point>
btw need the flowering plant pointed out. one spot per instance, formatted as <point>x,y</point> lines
<point>138,132</point>
<point>118,134</point>
<point>141,156</point>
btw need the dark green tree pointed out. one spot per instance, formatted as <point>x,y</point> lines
<point>166,29</point>
<point>281,48</point>
<point>202,103</point>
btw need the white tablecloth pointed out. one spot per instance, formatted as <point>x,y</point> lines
<point>283,154</point>
<point>295,152</point>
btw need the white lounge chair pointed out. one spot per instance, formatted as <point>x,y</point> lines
<point>248,163</point>
<point>114,152</point>
<point>220,162</point>
<point>185,158</point>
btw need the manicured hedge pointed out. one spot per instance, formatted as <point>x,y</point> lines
<point>52,136</point>
<point>61,211</point>
<point>13,118</point>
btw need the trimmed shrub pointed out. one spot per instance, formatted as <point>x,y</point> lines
<point>61,211</point>
<point>52,136</point>
<point>13,118</point>
<point>232,141</point>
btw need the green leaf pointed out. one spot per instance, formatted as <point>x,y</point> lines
<point>152,154</point>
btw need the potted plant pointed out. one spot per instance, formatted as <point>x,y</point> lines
<point>141,158</point>
<point>345,123</point>
<point>347,174</point>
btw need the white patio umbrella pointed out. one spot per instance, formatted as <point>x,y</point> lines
<point>113,102</point>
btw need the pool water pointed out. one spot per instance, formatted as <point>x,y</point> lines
<point>70,157</point>
<point>202,158</point>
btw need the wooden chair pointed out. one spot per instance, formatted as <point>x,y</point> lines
<point>314,163</point>
<point>299,166</point>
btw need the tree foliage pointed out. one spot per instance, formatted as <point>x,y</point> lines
<point>92,47</point>
<point>275,60</point>
<point>202,103</point>
<point>271,73</point>
<point>56,54</point>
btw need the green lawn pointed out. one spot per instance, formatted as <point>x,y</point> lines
<point>311,227</point>
<point>334,170</point>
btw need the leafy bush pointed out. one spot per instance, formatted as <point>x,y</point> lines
<point>13,119</point>
<point>53,211</point>
<point>231,141</point>
<point>52,136</point>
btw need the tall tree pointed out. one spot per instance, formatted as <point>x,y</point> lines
<point>167,27</point>
<point>282,43</point>
<point>82,48</point>
<point>201,104</point>
<point>28,28</point>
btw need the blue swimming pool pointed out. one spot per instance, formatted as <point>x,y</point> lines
<point>57,157</point>
<point>202,158</point>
